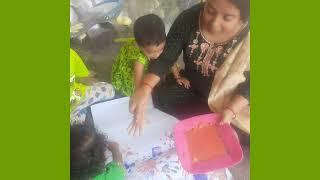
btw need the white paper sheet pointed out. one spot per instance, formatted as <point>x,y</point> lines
<point>151,155</point>
<point>113,118</point>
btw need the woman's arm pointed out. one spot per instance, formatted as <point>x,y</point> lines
<point>238,102</point>
<point>138,103</point>
<point>177,36</point>
<point>230,112</point>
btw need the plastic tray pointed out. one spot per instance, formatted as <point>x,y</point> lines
<point>233,151</point>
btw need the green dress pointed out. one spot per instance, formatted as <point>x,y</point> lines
<point>123,68</point>
<point>113,172</point>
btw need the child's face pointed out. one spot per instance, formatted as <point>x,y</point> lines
<point>221,18</point>
<point>153,51</point>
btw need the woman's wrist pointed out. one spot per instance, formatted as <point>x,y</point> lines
<point>234,115</point>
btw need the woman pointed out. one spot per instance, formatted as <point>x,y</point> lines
<point>214,38</point>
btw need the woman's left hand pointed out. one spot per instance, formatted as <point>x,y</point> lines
<point>227,116</point>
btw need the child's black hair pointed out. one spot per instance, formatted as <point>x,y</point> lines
<point>244,7</point>
<point>149,30</point>
<point>87,152</point>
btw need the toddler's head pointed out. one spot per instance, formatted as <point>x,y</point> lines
<point>87,152</point>
<point>150,35</point>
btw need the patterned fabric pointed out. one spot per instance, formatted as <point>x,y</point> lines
<point>98,92</point>
<point>204,58</point>
<point>123,69</point>
<point>166,165</point>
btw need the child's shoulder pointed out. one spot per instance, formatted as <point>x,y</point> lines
<point>130,50</point>
<point>127,44</point>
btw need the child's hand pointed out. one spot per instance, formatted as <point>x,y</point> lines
<point>115,150</point>
<point>113,146</point>
<point>183,82</point>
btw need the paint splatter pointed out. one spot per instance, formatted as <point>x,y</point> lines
<point>165,168</point>
<point>129,153</point>
<point>147,166</point>
<point>156,151</point>
<point>129,165</point>
<point>169,177</point>
<point>200,177</point>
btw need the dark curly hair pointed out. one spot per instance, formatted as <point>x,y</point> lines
<point>149,30</point>
<point>87,152</point>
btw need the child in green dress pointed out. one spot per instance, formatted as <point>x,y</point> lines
<point>133,59</point>
<point>88,155</point>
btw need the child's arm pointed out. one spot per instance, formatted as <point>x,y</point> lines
<point>138,73</point>
<point>116,154</point>
<point>180,80</point>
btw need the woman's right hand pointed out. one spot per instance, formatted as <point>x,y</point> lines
<point>137,107</point>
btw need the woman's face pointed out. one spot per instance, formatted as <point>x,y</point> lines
<point>221,18</point>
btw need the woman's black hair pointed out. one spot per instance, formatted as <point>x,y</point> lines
<point>244,7</point>
<point>87,152</point>
<point>149,30</point>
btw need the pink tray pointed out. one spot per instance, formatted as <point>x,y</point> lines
<point>230,139</point>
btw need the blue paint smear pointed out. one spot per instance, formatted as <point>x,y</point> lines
<point>156,151</point>
<point>200,177</point>
<point>128,166</point>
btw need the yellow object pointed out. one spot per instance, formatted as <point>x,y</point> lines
<point>77,70</point>
<point>124,20</point>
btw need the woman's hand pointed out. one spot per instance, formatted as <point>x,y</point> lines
<point>137,107</point>
<point>230,112</point>
<point>227,116</point>
<point>183,82</point>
